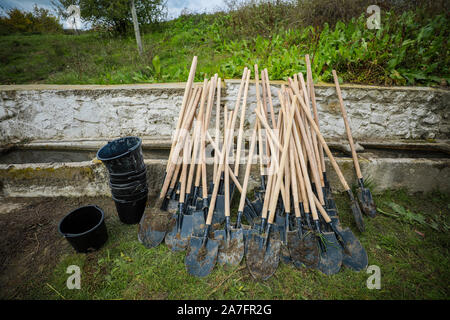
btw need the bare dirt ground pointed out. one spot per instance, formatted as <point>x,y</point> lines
<point>30,244</point>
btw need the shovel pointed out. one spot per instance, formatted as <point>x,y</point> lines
<point>199,206</point>
<point>156,222</point>
<point>263,253</point>
<point>354,254</point>
<point>177,238</point>
<point>302,245</point>
<point>231,245</point>
<point>353,204</point>
<point>172,202</point>
<point>330,259</point>
<point>326,185</point>
<point>189,220</point>
<point>246,230</point>
<point>364,195</point>
<point>219,215</point>
<point>202,253</point>
<point>258,203</point>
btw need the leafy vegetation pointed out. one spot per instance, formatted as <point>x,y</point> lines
<point>37,21</point>
<point>414,262</point>
<point>410,48</point>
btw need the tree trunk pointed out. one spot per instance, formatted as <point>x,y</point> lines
<point>136,27</point>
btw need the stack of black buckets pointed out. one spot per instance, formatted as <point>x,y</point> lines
<point>127,177</point>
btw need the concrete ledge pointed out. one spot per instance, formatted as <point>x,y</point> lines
<point>90,178</point>
<point>181,86</point>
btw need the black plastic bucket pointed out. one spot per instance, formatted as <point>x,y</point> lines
<point>128,184</point>
<point>128,190</point>
<point>128,178</point>
<point>123,155</point>
<point>84,228</point>
<point>130,212</point>
<point>130,197</point>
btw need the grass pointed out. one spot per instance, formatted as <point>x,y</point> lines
<point>412,266</point>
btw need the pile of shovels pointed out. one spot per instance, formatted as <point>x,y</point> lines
<point>293,217</point>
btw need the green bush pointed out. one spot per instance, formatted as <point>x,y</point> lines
<point>37,21</point>
<point>406,50</point>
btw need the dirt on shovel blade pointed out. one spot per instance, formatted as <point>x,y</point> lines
<point>231,253</point>
<point>263,262</point>
<point>304,251</point>
<point>158,220</point>
<point>202,254</point>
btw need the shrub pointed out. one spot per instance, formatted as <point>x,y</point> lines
<point>37,21</point>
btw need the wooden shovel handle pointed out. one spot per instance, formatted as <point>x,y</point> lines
<point>300,195</point>
<point>201,169</point>
<point>294,185</point>
<point>180,143</point>
<point>312,95</point>
<point>259,107</point>
<point>274,196</point>
<point>186,152</point>
<point>322,211</point>
<point>216,149</point>
<point>197,136</point>
<point>217,135</point>
<point>308,148</point>
<point>175,176</point>
<point>227,185</point>
<point>299,150</point>
<point>347,126</point>
<point>304,168</point>
<point>217,178</point>
<point>238,101</point>
<point>325,146</point>
<point>267,195</point>
<point>187,92</point>
<point>314,143</point>
<point>269,95</point>
<point>247,170</point>
<point>241,126</point>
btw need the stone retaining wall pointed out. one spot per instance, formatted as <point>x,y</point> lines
<point>36,112</point>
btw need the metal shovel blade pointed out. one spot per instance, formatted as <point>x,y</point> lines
<point>198,222</point>
<point>280,222</point>
<point>154,226</point>
<point>262,262</point>
<point>247,232</point>
<point>201,258</point>
<point>304,250</point>
<point>172,206</point>
<point>231,251</point>
<point>178,240</point>
<point>253,211</point>
<point>354,254</point>
<point>330,261</point>
<point>357,215</point>
<point>219,210</point>
<point>366,201</point>
<point>285,255</point>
